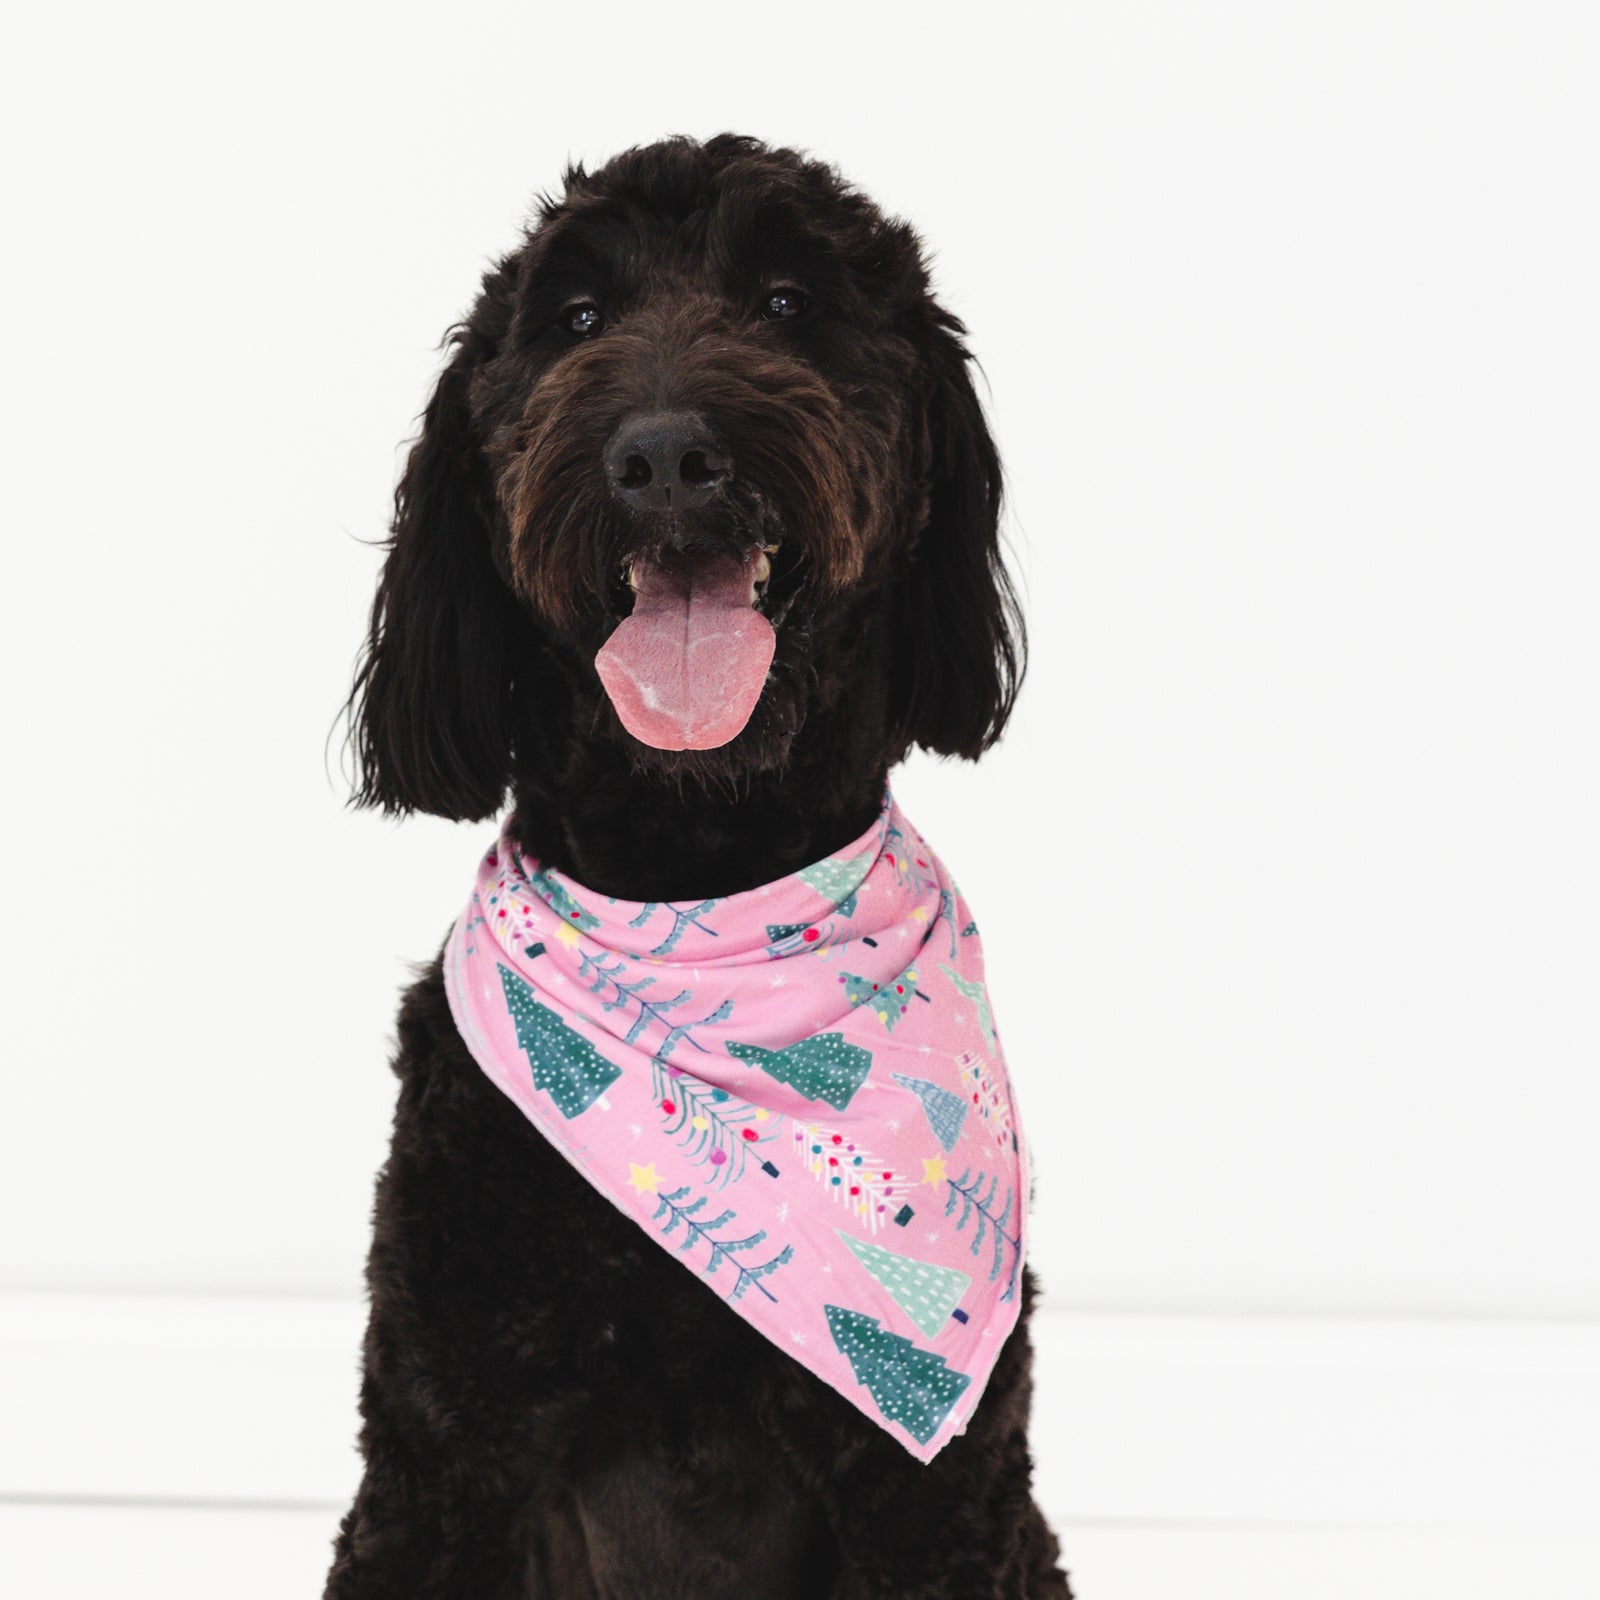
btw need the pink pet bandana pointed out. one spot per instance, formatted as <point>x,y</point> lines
<point>798,1089</point>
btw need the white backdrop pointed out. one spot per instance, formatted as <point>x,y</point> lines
<point>1288,871</point>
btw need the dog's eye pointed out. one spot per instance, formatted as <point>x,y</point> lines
<point>782,304</point>
<point>585,320</point>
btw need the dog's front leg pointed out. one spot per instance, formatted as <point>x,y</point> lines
<point>465,1491</point>
<point>474,1370</point>
<point>952,1530</point>
<point>451,1533</point>
<point>960,1527</point>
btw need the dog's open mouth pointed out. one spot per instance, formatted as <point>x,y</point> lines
<point>686,667</point>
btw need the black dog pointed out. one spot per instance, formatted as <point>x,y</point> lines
<point>698,350</point>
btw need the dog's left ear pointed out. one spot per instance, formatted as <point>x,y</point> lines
<point>959,641</point>
<point>431,711</point>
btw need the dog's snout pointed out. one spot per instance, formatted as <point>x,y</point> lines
<point>665,461</point>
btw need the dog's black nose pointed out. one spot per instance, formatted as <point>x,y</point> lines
<point>665,461</point>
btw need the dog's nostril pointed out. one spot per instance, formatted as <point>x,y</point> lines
<point>666,461</point>
<point>697,468</point>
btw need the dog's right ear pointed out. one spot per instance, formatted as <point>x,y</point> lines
<point>430,711</point>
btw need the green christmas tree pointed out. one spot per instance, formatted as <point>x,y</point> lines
<point>824,1067</point>
<point>909,1386</point>
<point>926,1293</point>
<point>887,1000</point>
<point>565,1065</point>
<point>838,880</point>
<point>561,902</point>
<point>945,1111</point>
<point>974,990</point>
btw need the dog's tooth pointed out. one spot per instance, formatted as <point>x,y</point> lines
<point>763,568</point>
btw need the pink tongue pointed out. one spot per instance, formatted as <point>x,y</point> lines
<point>686,668</point>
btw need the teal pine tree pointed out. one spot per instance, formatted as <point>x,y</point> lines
<point>888,1001</point>
<point>838,880</point>
<point>974,990</point>
<point>823,1067</point>
<point>565,1065</point>
<point>909,1386</point>
<point>926,1293</point>
<point>945,1111</point>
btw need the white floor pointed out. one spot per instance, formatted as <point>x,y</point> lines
<point>108,1552</point>
<point>163,1447</point>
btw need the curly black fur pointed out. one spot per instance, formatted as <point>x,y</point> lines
<point>553,1407</point>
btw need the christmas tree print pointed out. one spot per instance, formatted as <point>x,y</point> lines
<point>888,1001</point>
<point>987,1097</point>
<point>683,917</point>
<point>723,1251</point>
<point>852,1175</point>
<point>838,880</point>
<point>560,901</point>
<point>823,1067</point>
<point>790,938</point>
<point>608,975</point>
<point>909,859</point>
<point>713,1128</point>
<point>968,1192</point>
<point>926,1293</point>
<point>565,1065</point>
<point>911,1387</point>
<point>974,990</point>
<point>945,1111</point>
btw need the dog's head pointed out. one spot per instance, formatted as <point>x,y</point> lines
<point>704,470</point>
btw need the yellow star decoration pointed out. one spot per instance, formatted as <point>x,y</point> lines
<point>567,934</point>
<point>643,1179</point>
<point>933,1169</point>
<point>920,914</point>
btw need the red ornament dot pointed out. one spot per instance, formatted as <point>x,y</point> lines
<point>668,1107</point>
<point>838,1138</point>
<point>855,1188</point>
<point>749,1133</point>
<point>809,935</point>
